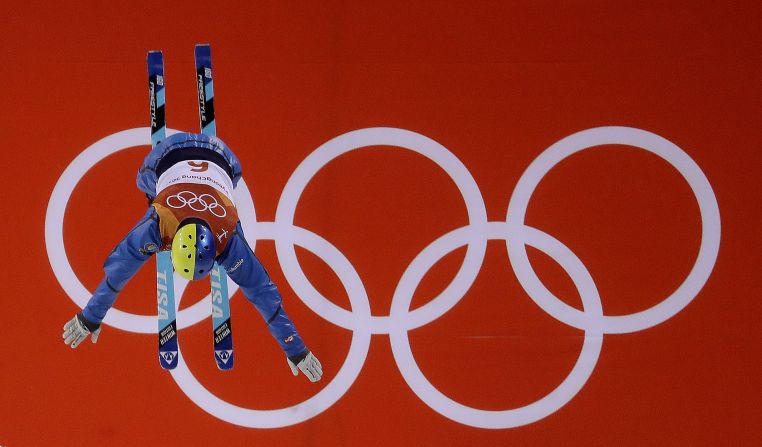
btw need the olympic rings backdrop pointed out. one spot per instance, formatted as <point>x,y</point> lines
<point>500,223</point>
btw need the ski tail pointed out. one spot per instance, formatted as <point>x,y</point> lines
<point>222,330</point>
<point>165,289</point>
<point>167,320</point>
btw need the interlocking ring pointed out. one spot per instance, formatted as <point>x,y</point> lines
<point>196,203</point>
<point>474,236</point>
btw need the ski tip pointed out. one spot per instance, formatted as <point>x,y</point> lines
<point>203,50</point>
<point>155,61</point>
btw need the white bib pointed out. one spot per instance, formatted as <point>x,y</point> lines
<point>200,172</point>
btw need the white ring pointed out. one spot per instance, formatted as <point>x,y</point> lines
<point>206,205</point>
<point>329,395</point>
<point>685,293</point>
<point>379,136</point>
<point>537,410</point>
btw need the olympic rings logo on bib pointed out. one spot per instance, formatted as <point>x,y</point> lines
<point>474,236</point>
<point>196,203</point>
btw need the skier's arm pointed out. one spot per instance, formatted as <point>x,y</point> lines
<point>122,264</point>
<point>244,268</point>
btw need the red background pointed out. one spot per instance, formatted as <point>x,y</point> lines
<point>494,82</point>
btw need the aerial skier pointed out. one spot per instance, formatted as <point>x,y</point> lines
<point>189,179</point>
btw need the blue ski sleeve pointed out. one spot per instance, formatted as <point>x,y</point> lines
<point>122,264</point>
<point>244,268</point>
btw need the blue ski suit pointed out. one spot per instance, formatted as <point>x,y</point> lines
<point>145,239</point>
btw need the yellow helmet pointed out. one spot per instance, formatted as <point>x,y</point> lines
<point>193,250</point>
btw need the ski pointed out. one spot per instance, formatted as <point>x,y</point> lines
<point>222,331</point>
<point>165,289</point>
